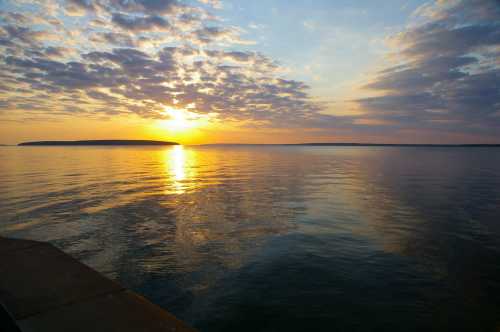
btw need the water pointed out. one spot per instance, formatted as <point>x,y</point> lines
<point>277,238</point>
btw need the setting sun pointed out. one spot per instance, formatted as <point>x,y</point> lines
<point>183,125</point>
<point>179,119</point>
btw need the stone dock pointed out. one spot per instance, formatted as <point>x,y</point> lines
<point>44,289</point>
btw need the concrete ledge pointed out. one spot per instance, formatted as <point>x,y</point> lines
<point>7,245</point>
<point>44,289</point>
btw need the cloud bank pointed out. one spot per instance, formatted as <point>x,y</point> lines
<point>447,74</point>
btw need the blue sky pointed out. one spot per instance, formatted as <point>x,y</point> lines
<point>388,71</point>
<point>324,42</point>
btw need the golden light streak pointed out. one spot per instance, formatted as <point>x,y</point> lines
<point>178,161</point>
<point>180,165</point>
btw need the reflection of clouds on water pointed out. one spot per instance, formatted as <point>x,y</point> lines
<point>441,212</point>
<point>181,223</point>
<point>421,195</point>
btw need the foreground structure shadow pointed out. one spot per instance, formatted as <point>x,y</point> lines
<point>44,289</point>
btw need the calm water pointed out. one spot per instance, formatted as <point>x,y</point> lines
<point>275,238</point>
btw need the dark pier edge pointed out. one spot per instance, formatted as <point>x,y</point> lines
<point>7,322</point>
<point>44,289</point>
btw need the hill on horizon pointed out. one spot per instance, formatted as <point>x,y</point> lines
<point>98,142</point>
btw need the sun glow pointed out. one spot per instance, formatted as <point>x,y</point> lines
<point>180,119</point>
<point>183,125</point>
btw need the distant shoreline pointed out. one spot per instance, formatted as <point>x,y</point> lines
<point>361,145</point>
<point>166,143</point>
<point>401,145</point>
<point>97,142</point>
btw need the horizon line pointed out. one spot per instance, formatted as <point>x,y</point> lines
<point>142,141</point>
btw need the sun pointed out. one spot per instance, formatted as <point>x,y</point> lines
<point>179,119</point>
<point>183,124</point>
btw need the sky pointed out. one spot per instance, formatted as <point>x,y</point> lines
<point>261,71</point>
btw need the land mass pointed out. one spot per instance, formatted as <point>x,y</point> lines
<point>97,142</point>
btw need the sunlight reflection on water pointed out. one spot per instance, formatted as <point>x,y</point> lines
<point>176,162</point>
<point>330,237</point>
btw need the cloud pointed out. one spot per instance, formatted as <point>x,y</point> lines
<point>151,7</point>
<point>208,35</point>
<point>146,6</point>
<point>56,52</point>
<point>214,3</point>
<point>13,33</point>
<point>114,38</point>
<point>146,23</point>
<point>80,7</point>
<point>448,75</point>
<point>116,66</point>
<point>133,78</point>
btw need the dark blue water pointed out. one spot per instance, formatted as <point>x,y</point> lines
<point>277,238</point>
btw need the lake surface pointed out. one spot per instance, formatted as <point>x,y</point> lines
<point>275,238</point>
